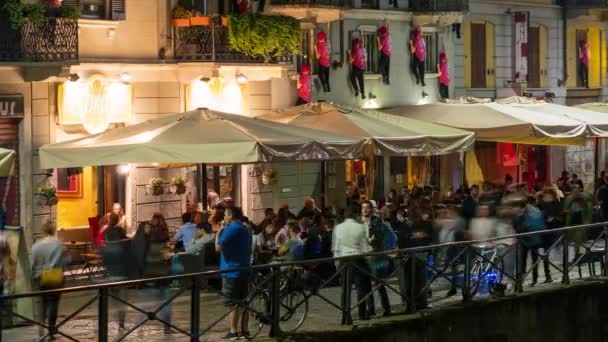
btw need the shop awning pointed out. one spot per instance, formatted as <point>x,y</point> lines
<point>390,134</point>
<point>201,136</point>
<point>501,122</point>
<point>7,162</point>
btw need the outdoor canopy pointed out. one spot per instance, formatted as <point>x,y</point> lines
<point>389,134</point>
<point>501,122</point>
<point>597,123</point>
<point>201,136</point>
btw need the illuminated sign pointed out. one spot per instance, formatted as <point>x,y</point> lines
<point>11,106</point>
<point>94,103</point>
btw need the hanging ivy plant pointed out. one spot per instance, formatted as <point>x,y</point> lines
<point>261,35</point>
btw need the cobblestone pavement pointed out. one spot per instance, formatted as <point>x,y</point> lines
<point>321,315</point>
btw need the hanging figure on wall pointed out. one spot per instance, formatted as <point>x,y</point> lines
<point>418,48</point>
<point>584,55</point>
<point>384,49</point>
<point>358,61</point>
<point>304,86</point>
<point>444,76</point>
<point>322,53</point>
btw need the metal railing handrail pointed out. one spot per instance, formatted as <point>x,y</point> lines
<point>296,263</point>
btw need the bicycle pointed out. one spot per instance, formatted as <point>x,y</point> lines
<point>487,267</point>
<point>293,303</point>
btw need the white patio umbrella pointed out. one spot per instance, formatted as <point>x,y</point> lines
<point>202,136</point>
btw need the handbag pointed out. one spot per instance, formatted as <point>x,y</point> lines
<point>51,278</point>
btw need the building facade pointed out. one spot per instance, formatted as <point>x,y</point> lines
<point>122,62</point>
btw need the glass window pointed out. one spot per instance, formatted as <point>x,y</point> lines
<point>432,52</point>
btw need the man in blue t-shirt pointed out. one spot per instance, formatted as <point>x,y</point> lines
<point>233,241</point>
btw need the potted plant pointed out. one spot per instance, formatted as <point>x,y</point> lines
<point>47,194</point>
<point>199,19</point>
<point>269,177</point>
<point>178,185</point>
<point>156,187</point>
<point>181,16</point>
<point>38,14</point>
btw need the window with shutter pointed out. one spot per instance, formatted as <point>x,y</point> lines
<point>432,52</point>
<point>371,49</point>
<point>99,9</point>
<point>119,10</point>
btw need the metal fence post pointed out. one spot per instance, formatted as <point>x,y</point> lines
<point>102,319</point>
<point>2,311</point>
<point>565,260</point>
<point>275,294</point>
<point>347,287</point>
<point>519,281</point>
<point>195,310</point>
<point>411,290</point>
<point>605,263</point>
<point>466,281</point>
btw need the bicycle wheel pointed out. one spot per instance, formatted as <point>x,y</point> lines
<point>293,312</point>
<point>257,314</point>
<point>475,278</point>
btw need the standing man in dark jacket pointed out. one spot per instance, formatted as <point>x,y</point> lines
<point>379,264</point>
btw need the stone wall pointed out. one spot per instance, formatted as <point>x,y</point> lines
<point>575,313</point>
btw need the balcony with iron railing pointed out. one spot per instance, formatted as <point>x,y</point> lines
<point>586,4</point>
<point>210,44</point>
<point>54,40</point>
<point>439,5</point>
<point>413,5</point>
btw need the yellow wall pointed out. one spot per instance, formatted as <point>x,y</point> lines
<point>74,212</point>
<point>138,37</point>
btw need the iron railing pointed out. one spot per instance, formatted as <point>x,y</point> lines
<point>281,295</point>
<point>439,5</point>
<point>210,44</point>
<point>586,3</point>
<point>320,3</point>
<point>56,40</point>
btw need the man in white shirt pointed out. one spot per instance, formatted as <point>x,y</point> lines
<point>351,238</point>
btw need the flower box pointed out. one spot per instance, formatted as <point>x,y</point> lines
<point>200,21</point>
<point>181,22</point>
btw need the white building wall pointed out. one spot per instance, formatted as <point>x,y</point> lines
<point>498,13</point>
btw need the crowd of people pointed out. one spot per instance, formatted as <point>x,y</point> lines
<point>224,238</point>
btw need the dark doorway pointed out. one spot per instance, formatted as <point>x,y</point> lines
<point>534,57</point>
<point>115,186</point>
<point>478,55</point>
<point>581,35</point>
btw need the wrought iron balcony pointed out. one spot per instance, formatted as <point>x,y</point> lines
<point>586,3</point>
<point>439,5</point>
<point>315,3</point>
<point>210,44</point>
<point>53,41</point>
